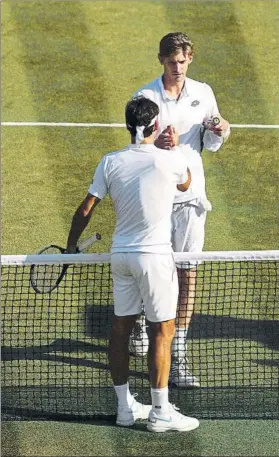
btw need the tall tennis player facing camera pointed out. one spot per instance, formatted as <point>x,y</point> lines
<point>191,108</point>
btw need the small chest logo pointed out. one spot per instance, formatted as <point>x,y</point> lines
<point>195,103</point>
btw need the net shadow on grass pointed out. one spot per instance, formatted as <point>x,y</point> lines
<point>224,397</point>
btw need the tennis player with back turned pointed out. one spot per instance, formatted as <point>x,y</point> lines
<point>141,180</point>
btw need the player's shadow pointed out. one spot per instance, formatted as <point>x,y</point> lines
<point>55,400</point>
<point>212,327</point>
<point>98,321</point>
<point>57,351</point>
<point>66,351</point>
<point>98,324</point>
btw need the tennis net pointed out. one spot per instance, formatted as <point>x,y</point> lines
<point>54,346</point>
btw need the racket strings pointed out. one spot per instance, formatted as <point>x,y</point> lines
<point>44,277</point>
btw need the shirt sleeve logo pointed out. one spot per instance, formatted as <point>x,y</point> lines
<point>195,103</point>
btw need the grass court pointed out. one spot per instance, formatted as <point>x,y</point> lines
<point>80,61</point>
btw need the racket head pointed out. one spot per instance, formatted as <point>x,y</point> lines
<point>45,278</point>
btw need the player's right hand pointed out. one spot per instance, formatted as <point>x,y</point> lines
<point>167,139</point>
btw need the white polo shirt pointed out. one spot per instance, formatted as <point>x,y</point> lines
<point>186,114</point>
<point>141,180</point>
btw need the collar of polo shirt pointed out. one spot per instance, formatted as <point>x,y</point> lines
<point>165,96</point>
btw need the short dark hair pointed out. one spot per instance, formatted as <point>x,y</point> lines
<point>173,42</point>
<point>140,111</point>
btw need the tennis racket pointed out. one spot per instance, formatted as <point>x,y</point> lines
<point>45,278</point>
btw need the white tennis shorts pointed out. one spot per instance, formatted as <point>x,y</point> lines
<point>145,280</point>
<point>188,230</point>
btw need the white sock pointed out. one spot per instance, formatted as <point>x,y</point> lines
<point>179,344</point>
<point>125,399</point>
<point>160,401</point>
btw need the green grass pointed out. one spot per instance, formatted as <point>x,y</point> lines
<point>76,67</point>
<point>212,439</point>
<point>80,61</point>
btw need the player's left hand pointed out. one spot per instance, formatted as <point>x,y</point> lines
<point>220,128</point>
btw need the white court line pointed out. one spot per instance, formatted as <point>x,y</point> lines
<point>59,124</point>
<point>96,124</point>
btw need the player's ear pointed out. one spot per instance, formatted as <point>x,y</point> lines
<point>156,125</point>
<point>160,59</point>
<point>190,56</point>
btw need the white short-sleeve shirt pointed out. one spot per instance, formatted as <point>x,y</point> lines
<point>196,102</point>
<point>142,182</point>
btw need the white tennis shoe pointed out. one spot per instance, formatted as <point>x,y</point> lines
<point>173,421</point>
<point>139,342</point>
<point>128,416</point>
<point>180,374</point>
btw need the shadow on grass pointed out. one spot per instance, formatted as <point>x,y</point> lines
<point>9,440</point>
<point>52,353</point>
<point>203,327</point>
<point>61,61</point>
<point>241,388</point>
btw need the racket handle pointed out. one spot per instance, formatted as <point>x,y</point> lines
<point>212,122</point>
<point>215,121</point>
<point>83,246</point>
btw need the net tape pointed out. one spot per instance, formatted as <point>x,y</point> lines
<point>105,257</point>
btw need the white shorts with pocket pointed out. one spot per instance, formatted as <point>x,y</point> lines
<point>145,280</point>
<point>188,230</point>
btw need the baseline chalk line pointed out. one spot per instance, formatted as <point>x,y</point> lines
<point>114,125</point>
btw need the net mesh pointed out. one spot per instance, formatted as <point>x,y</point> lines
<point>54,346</point>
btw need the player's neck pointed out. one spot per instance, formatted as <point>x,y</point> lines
<point>149,140</point>
<point>172,88</point>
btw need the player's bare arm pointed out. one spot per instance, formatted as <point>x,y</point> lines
<point>80,220</point>
<point>185,186</point>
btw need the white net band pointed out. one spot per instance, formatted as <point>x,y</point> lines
<point>48,259</point>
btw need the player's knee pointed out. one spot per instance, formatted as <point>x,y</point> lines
<point>123,325</point>
<point>165,330</point>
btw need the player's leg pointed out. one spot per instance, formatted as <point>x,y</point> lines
<point>158,284</point>
<point>138,343</point>
<point>187,236</point>
<point>127,305</point>
<point>118,348</point>
<point>186,298</point>
<point>159,353</point>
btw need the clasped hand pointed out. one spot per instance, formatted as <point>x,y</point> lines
<point>168,138</point>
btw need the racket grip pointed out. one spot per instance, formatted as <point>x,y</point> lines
<point>83,246</point>
<point>215,121</point>
<point>212,122</point>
